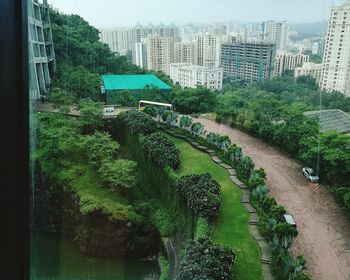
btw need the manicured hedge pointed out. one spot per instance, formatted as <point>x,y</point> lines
<point>161,151</point>
<point>138,122</point>
<point>201,193</point>
<point>206,261</point>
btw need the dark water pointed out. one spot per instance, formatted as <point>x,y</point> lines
<point>55,258</point>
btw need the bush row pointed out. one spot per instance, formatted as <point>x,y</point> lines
<point>272,225</point>
<point>201,194</point>
<point>138,122</point>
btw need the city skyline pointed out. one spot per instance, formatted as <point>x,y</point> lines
<point>144,12</point>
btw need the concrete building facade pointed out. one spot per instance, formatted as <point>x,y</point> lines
<point>160,53</point>
<point>184,52</point>
<point>122,40</point>
<point>276,33</point>
<point>336,59</point>
<point>288,61</point>
<point>309,69</point>
<point>192,76</point>
<point>42,61</point>
<point>248,62</point>
<point>207,50</point>
<point>140,54</point>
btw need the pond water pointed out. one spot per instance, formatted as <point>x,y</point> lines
<point>55,258</point>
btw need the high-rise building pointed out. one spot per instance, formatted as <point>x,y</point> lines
<point>336,59</point>
<point>184,52</point>
<point>207,50</point>
<point>160,52</point>
<point>276,33</point>
<point>309,69</point>
<point>122,40</point>
<point>288,61</point>
<point>217,29</point>
<point>42,61</point>
<point>248,62</point>
<point>193,76</point>
<point>140,54</point>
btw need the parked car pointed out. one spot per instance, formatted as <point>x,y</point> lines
<point>310,174</point>
<point>109,110</point>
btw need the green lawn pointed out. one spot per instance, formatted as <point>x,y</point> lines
<point>231,228</point>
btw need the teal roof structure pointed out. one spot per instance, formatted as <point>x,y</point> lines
<point>132,82</point>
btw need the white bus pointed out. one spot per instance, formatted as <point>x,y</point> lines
<point>144,103</point>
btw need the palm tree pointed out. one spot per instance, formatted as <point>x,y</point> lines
<point>197,129</point>
<point>171,118</point>
<point>212,138</point>
<point>260,192</point>
<point>185,122</point>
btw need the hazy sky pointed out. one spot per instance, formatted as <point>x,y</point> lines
<point>111,13</point>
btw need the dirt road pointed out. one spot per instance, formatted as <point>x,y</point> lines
<point>324,231</point>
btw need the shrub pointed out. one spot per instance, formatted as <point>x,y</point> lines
<point>98,147</point>
<point>235,154</point>
<point>150,110</point>
<point>185,122</point>
<point>257,178</point>
<point>246,166</point>
<point>204,260</point>
<point>267,203</point>
<point>118,173</point>
<point>161,151</point>
<point>201,193</point>
<point>260,192</point>
<point>197,129</point>
<point>138,122</point>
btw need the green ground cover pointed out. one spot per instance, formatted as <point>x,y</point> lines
<point>231,228</point>
<point>92,195</point>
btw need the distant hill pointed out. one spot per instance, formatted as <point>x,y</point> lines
<point>310,29</point>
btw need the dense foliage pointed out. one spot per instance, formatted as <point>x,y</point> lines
<point>206,261</point>
<point>138,122</point>
<point>191,100</point>
<point>201,193</point>
<point>274,111</point>
<point>77,44</point>
<point>100,151</point>
<point>161,151</point>
<point>81,57</point>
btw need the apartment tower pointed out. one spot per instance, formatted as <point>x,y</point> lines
<point>248,62</point>
<point>336,59</point>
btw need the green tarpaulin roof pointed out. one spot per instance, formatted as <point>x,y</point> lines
<point>132,82</point>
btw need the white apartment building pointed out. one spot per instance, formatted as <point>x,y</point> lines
<point>336,59</point>
<point>160,53</point>
<point>184,52</point>
<point>140,54</point>
<point>207,50</point>
<point>122,40</point>
<point>192,76</point>
<point>309,69</point>
<point>276,33</point>
<point>288,61</point>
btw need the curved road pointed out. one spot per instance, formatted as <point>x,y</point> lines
<point>324,231</point>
